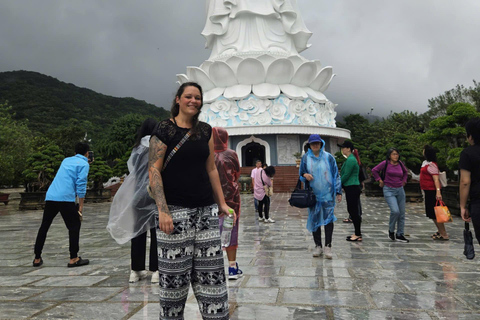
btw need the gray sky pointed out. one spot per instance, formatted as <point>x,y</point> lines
<point>388,55</point>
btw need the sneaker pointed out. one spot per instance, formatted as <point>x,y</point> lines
<point>137,275</point>
<point>391,235</point>
<point>317,252</point>
<point>261,219</point>
<point>155,277</point>
<point>234,273</point>
<point>269,220</point>
<point>328,252</point>
<point>401,238</point>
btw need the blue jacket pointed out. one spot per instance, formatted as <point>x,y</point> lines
<point>70,181</point>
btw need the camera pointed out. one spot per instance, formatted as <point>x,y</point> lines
<point>90,156</point>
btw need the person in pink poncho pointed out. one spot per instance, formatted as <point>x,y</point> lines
<point>228,168</point>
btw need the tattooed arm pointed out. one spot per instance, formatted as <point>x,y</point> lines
<point>215,182</point>
<point>156,157</point>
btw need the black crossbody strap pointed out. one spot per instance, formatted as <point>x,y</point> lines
<point>178,146</point>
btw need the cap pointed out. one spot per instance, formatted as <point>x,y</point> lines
<point>347,144</point>
<point>314,138</point>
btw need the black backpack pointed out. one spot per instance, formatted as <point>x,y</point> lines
<point>362,173</point>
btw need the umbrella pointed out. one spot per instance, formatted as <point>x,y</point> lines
<point>469,251</point>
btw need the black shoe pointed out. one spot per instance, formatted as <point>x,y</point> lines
<point>37,264</point>
<point>391,235</point>
<point>401,238</point>
<point>79,263</point>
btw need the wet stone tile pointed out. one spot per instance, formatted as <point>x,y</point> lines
<point>75,294</point>
<point>283,282</point>
<point>248,312</point>
<point>18,280</point>
<point>317,272</point>
<point>457,316</point>
<point>140,294</point>
<point>410,301</point>
<point>253,295</point>
<point>386,274</point>
<point>74,281</point>
<point>358,314</point>
<point>15,293</point>
<point>446,287</point>
<point>61,271</point>
<point>88,311</point>
<point>21,310</point>
<point>324,297</point>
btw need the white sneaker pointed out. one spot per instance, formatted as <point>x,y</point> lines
<point>137,275</point>
<point>269,220</point>
<point>261,219</point>
<point>328,252</point>
<point>155,277</point>
<point>317,252</point>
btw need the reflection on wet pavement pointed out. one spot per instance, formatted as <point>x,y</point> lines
<point>375,279</point>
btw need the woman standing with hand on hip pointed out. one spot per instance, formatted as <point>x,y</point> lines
<point>392,177</point>
<point>186,187</point>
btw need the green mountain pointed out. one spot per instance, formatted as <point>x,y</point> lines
<point>48,103</point>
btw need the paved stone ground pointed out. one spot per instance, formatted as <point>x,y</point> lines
<point>376,279</point>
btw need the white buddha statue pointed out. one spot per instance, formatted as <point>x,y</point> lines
<point>241,26</point>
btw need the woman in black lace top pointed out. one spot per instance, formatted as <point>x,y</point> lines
<point>186,187</point>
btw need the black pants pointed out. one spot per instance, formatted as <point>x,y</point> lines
<point>474,210</point>
<point>317,235</point>
<point>138,250</point>
<point>352,193</point>
<point>69,213</point>
<point>264,204</point>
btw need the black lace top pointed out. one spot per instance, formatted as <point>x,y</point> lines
<point>185,179</point>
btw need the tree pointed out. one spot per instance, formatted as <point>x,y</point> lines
<point>120,136</point>
<point>447,133</point>
<point>15,146</point>
<point>99,173</point>
<point>42,167</point>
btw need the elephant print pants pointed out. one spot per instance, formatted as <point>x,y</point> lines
<point>192,253</point>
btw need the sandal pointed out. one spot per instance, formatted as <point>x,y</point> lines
<point>354,240</point>
<point>347,220</point>
<point>80,262</point>
<point>435,235</point>
<point>441,238</point>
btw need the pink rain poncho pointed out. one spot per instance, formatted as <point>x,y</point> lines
<point>228,168</point>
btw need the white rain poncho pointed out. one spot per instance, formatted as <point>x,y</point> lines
<point>133,210</point>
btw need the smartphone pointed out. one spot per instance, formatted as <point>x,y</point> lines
<point>90,156</point>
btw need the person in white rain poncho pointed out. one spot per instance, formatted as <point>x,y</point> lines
<point>133,211</point>
<point>320,169</point>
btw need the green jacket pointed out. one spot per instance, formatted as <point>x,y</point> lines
<point>349,172</point>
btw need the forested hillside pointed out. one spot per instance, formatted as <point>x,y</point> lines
<point>48,103</point>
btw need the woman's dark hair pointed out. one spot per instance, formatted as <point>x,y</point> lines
<point>175,109</point>
<point>270,171</point>
<point>306,147</point>
<point>472,127</point>
<point>430,153</point>
<point>146,129</point>
<point>389,152</point>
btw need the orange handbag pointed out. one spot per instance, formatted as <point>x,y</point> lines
<point>442,213</point>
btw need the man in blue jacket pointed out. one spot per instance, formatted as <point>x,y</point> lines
<point>70,181</point>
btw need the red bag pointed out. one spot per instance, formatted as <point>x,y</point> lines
<point>442,213</point>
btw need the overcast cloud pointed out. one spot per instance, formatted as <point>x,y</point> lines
<point>388,55</point>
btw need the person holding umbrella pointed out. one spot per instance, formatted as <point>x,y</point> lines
<point>469,165</point>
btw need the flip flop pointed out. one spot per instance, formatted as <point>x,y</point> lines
<point>80,262</point>
<point>441,238</point>
<point>347,220</point>
<point>38,264</point>
<point>354,240</point>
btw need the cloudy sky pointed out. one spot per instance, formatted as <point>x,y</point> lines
<point>388,55</point>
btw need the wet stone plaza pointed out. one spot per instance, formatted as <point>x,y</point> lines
<point>375,279</point>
